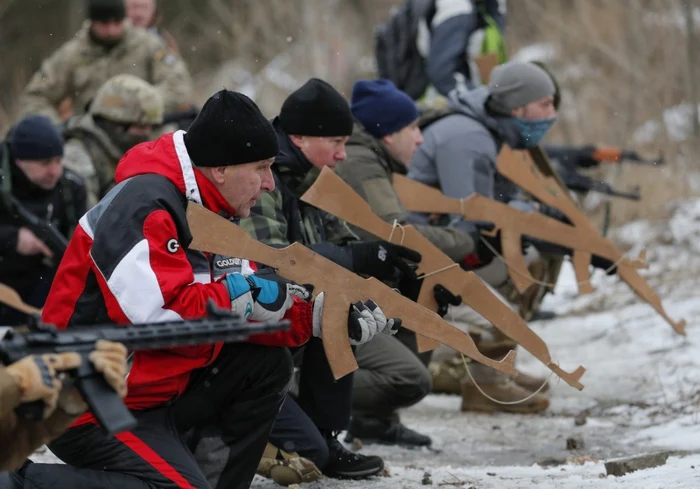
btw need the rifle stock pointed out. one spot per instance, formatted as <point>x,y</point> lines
<point>214,234</point>
<point>333,195</point>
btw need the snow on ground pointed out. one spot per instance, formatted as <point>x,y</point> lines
<point>641,395</point>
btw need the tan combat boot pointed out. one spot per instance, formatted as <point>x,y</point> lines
<point>531,383</point>
<point>501,388</point>
<point>447,375</point>
<point>286,468</point>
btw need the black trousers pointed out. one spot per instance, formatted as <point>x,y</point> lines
<point>323,404</point>
<point>239,395</point>
<point>325,400</point>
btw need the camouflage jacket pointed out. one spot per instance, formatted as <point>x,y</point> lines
<point>91,154</point>
<point>80,67</point>
<point>368,169</point>
<point>279,218</point>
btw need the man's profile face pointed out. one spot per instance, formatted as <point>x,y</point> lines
<point>242,185</point>
<point>322,151</point>
<point>539,109</point>
<point>43,173</point>
<point>141,12</point>
<point>404,143</point>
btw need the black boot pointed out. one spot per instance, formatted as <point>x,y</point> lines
<point>386,432</point>
<point>344,464</point>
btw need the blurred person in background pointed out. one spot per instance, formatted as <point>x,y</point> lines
<point>106,45</point>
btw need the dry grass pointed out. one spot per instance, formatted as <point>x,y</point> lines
<point>621,63</point>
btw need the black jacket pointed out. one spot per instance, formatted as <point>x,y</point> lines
<point>62,206</point>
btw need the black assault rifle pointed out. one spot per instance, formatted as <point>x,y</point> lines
<point>583,183</point>
<point>220,325</point>
<point>42,229</point>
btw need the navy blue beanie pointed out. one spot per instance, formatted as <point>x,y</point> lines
<point>381,107</point>
<point>36,138</point>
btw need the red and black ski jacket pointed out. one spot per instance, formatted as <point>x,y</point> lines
<point>129,262</point>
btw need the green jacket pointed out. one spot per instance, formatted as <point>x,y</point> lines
<point>368,169</point>
<point>279,218</point>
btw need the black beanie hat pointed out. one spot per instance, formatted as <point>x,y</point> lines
<point>316,109</point>
<point>35,138</point>
<point>230,130</point>
<point>106,10</point>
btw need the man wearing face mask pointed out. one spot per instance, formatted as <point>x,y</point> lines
<point>459,157</point>
<point>107,45</point>
<point>123,114</point>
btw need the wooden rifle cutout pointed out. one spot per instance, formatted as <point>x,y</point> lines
<point>331,194</point>
<point>486,63</point>
<point>511,222</point>
<point>582,237</point>
<point>11,298</point>
<point>214,234</point>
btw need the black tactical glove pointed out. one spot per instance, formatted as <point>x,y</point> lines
<point>382,260</point>
<point>484,252</point>
<point>444,299</point>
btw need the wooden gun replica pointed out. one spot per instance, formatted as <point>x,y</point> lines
<point>10,297</point>
<point>214,234</point>
<point>331,194</point>
<point>582,237</point>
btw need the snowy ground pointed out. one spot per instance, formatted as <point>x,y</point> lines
<point>641,395</point>
<point>642,389</point>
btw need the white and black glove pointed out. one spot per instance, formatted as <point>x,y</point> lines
<point>365,319</point>
<point>262,299</point>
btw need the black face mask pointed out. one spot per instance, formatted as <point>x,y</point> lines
<point>125,141</point>
<point>105,43</point>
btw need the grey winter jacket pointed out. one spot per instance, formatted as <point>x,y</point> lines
<point>459,151</point>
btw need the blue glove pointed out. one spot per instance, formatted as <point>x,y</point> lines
<point>260,299</point>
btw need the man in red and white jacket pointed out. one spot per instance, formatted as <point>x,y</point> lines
<point>129,261</point>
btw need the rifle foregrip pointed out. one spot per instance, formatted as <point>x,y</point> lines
<point>106,405</point>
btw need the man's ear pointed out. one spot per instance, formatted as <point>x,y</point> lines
<point>388,139</point>
<point>215,174</point>
<point>297,141</point>
<point>517,112</point>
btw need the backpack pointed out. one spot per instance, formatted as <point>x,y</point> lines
<point>397,55</point>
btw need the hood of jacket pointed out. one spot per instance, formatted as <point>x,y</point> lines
<point>472,103</point>
<point>167,156</point>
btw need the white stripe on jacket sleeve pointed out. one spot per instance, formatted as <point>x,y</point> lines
<point>135,286</point>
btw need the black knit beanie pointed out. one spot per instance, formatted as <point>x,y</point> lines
<point>106,10</point>
<point>230,130</point>
<point>316,109</point>
<point>36,138</point>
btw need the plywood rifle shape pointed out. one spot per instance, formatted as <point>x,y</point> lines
<point>11,298</point>
<point>583,238</point>
<point>214,234</point>
<point>331,194</point>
